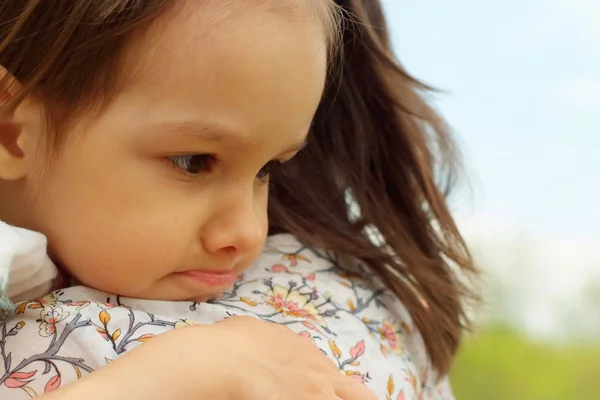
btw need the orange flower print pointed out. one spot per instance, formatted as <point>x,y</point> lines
<point>351,305</point>
<point>357,376</point>
<point>292,303</point>
<point>390,390</point>
<point>248,301</point>
<point>46,301</point>
<point>335,349</point>
<point>185,323</point>
<point>412,379</point>
<point>20,325</point>
<point>350,276</point>
<point>51,316</point>
<point>293,259</point>
<point>406,328</point>
<point>104,317</point>
<point>388,333</point>
<point>384,350</point>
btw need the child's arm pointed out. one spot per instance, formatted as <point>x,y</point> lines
<point>239,358</point>
<point>178,365</point>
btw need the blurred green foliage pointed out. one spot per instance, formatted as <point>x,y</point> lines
<point>500,364</point>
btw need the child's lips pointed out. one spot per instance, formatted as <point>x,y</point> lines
<point>210,277</point>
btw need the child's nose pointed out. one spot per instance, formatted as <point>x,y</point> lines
<point>238,231</point>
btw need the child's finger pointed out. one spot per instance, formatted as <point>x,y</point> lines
<point>350,389</point>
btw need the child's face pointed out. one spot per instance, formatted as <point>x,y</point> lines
<point>240,84</point>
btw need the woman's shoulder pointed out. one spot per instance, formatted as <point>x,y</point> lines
<point>331,300</point>
<point>347,311</point>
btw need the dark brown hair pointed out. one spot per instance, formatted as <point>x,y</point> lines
<point>375,144</point>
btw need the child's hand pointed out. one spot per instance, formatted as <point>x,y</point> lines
<point>268,361</point>
<point>237,359</point>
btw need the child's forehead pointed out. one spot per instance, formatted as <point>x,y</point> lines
<point>203,17</point>
<point>218,28</point>
<point>239,71</point>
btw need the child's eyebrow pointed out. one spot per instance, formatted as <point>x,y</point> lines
<point>209,131</point>
<point>198,130</point>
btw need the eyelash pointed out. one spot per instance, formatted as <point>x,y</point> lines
<point>184,163</point>
<point>208,161</point>
<point>265,172</point>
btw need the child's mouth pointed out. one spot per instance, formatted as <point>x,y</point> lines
<point>211,278</point>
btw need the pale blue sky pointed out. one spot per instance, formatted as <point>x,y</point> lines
<point>523,94</point>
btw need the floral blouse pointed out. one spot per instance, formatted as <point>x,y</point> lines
<point>356,322</point>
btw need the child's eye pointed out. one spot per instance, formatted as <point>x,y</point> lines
<point>263,174</point>
<point>194,164</point>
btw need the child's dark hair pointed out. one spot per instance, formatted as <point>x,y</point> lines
<point>375,141</point>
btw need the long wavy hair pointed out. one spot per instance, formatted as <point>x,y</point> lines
<point>379,147</point>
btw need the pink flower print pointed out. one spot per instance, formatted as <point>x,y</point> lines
<point>358,350</point>
<point>19,379</point>
<point>388,332</point>
<point>310,326</point>
<point>292,303</point>
<point>105,306</point>
<point>279,268</point>
<point>53,384</point>
<point>79,304</point>
<point>76,303</point>
<point>145,337</point>
<point>51,316</point>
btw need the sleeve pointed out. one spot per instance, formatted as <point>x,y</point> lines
<point>47,344</point>
<point>443,390</point>
<point>26,271</point>
<point>68,334</point>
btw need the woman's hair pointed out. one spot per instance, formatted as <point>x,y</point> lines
<point>375,144</point>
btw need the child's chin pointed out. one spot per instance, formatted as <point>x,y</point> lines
<point>206,297</point>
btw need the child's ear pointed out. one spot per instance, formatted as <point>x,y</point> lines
<point>12,157</point>
<point>13,165</point>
